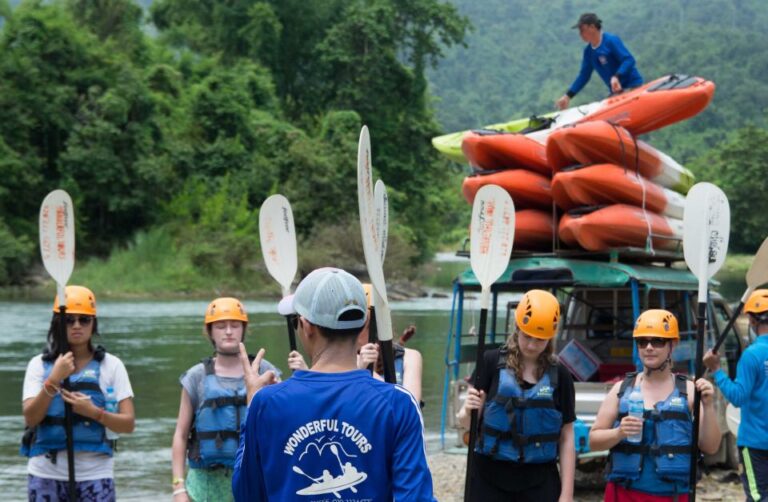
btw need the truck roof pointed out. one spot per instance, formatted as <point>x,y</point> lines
<point>547,271</point>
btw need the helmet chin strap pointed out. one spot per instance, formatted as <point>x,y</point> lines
<point>667,362</point>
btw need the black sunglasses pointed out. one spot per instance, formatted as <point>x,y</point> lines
<point>655,342</point>
<point>85,320</point>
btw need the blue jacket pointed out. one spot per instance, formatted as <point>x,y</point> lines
<point>660,463</point>
<point>521,425</point>
<point>88,434</point>
<point>608,59</point>
<point>336,435</point>
<point>218,420</point>
<point>750,393</point>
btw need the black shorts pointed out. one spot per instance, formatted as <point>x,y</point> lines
<point>754,473</point>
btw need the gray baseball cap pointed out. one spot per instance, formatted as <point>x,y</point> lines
<point>587,18</point>
<point>326,295</point>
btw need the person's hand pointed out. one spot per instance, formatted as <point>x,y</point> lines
<point>707,391</point>
<point>615,85</point>
<point>81,403</point>
<point>368,354</point>
<point>629,426</point>
<point>62,368</point>
<point>712,360</point>
<point>296,361</point>
<point>563,102</point>
<point>475,399</point>
<point>253,381</point>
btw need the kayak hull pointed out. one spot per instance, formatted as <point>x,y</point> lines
<point>604,184</point>
<point>601,142</point>
<point>618,226</point>
<point>534,230</point>
<point>500,150</point>
<point>527,188</point>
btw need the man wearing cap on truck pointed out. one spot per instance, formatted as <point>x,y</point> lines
<point>750,393</point>
<point>606,54</point>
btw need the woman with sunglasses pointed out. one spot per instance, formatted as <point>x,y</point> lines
<point>92,373</point>
<point>527,409</point>
<point>212,409</point>
<point>650,456</point>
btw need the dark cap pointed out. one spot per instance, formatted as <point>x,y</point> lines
<point>588,18</point>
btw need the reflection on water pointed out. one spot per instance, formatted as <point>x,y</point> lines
<point>157,341</point>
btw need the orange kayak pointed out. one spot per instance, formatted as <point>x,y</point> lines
<point>598,142</point>
<point>618,226</point>
<point>534,230</point>
<point>603,184</point>
<point>528,189</point>
<point>488,149</point>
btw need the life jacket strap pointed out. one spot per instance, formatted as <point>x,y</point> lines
<point>633,448</point>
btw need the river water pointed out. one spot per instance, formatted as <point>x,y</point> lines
<point>158,341</point>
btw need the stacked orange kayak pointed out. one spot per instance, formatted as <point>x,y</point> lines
<point>527,188</point>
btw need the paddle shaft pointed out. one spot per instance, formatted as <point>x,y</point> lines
<point>291,333</point>
<point>68,418</point>
<point>372,333</point>
<point>701,329</point>
<point>388,356</point>
<point>728,327</point>
<point>474,414</point>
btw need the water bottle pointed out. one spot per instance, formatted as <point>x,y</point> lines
<point>635,410</point>
<point>111,406</point>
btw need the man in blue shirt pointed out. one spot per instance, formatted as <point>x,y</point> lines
<point>332,432</point>
<point>606,54</point>
<point>750,393</point>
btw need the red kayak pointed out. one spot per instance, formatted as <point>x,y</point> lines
<point>619,226</point>
<point>604,184</point>
<point>598,142</point>
<point>528,189</point>
<point>487,149</point>
<point>534,230</point>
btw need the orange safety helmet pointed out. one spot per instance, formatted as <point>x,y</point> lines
<point>538,314</point>
<point>657,322</point>
<point>225,309</point>
<point>757,303</point>
<point>80,300</point>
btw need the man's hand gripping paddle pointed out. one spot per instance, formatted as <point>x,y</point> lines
<point>492,234</point>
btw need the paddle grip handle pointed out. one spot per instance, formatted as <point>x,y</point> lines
<point>473,423</point>
<point>728,327</point>
<point>373,333</point>
<point>701,329</point>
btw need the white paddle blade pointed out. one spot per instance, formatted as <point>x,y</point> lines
<point>57,237</point>
<point>381,205</point>
<point>757,275</point>
<point>366,206</point>
<point>706,229</point>
<point>492,234</point>
<point>278,240</point>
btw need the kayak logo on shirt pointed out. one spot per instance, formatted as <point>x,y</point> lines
<point>324,453</point>
<point>676,402</point>
<point>765,367</point>
<point>544,392</point>
<point>603,60</point>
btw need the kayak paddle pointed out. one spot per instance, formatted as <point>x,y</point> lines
<point>372,249</point>
<point>492,234</point>
<point>757,275</point>
<point>381,205</point>
<point>706,229</point>
<point>278,246</point>
<point>57,248</point>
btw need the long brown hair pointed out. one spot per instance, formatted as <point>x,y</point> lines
<point>546,359</point>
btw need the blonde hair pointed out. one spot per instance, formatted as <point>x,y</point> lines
<point>546,359</point>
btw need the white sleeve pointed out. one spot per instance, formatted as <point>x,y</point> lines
<point>116,377</point>
<point>33,378</point>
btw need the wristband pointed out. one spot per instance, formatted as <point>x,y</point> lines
<point>47,383</point>
<point>176,481</point>
<point>100,415</point>
<point>179,491</point>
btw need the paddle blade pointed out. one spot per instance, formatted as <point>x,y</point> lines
<point>706,228</point>
<point>57,236</point>
<point>278,240</point>
<point>381,206</point>
<point>758,271</point>
<point>366,205</point>
<point>492,233</point>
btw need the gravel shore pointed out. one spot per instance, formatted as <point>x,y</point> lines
<point>448,479</point>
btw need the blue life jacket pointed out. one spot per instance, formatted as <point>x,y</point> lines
<point>218,420</point>
<point>521,425</point>
<point>399,352</point>
<point>88,435</point>
<point>660,463</point>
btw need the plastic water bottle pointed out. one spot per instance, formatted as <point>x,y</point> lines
<point>111,406</point>
<point>636,410</point>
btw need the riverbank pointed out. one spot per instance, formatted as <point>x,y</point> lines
<point>448,472</point>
